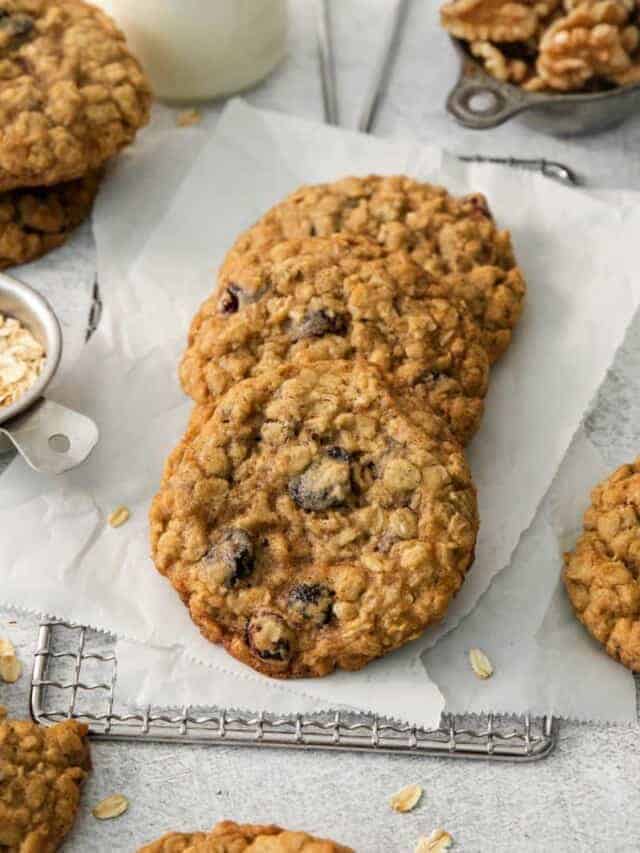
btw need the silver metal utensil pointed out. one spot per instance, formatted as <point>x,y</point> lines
<point>381,77</point>
<point>466,90</point>
<point>50,437</point>
<point>326,60</point>
<point>549,168</point>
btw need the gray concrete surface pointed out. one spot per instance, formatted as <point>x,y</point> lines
<point>585,796</point>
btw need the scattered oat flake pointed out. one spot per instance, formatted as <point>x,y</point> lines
<point>10,669</point>
<point>119,516</point>
<point>480,663</point>
<point>187,118</point>
<point>7,649</point>
<point>438,841</point>
<point>406,799</point>
<point>111,807</point>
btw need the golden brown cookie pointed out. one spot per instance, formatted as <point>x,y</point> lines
<point>71,94</point>
<point>455,240</point>
<point>339,297</point>
<point>602,573</point>
<point>35,220</point>
<point>308,522</point>
<point>41,770</point>
<point>230,837</point>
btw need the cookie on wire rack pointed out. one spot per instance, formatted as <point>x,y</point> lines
<point>455,240</point>
<point>41,771</point>
<point>602,573</point>
<point>230,837</point>
<point>339,297</point>
<point>308,522</point>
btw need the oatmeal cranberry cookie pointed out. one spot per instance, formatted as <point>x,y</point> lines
<point>36,220</point>
<point>41,770</point>
<point>71,94</point>
<point>309,523</point>
<point>602,573</point>
<point>455,240</point>
<point>339,297</point>
<point>230,837</point>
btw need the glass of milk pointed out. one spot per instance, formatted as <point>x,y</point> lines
<point>201,49</point>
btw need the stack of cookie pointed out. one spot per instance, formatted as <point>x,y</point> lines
<point>319,511</point>
<point>71,96</point>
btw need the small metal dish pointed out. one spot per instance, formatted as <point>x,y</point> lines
<point>479,101</point>
<point>50,437</point>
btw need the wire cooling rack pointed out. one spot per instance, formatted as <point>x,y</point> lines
<point>75,676</point>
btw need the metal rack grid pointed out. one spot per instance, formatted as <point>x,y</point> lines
<point>75,676</point>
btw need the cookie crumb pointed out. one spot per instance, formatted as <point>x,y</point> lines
<point>10,666</point>
<point>119,516</point>
<point>406,799</point>
<point>480,663</point>
<point>112,806</point>
<point>7,648</point>
<point>187,118</point>
<point>438,841</point>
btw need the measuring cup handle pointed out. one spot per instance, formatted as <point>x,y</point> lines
<point>479,102</point>
<point>51,438</point>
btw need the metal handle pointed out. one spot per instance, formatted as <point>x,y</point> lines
<point>327,64</point>
<point>383,72</point>
<point>51,438</point>
<point>480,103</point>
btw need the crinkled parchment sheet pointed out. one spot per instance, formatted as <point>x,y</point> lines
<point>167,214</point>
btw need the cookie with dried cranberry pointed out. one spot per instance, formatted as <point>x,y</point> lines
<point>41,771</point>
<point>230,837</point>
<point>309,522</point>
<point>336,298</point>
<point>455,240</point>
<point>36,220</point>
<point>602,573</point>
<point>71,94</point>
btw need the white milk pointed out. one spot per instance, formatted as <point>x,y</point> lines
<point>199,49</point>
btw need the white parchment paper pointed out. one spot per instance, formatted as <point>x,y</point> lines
<point>162,227</point>
<point>542,656</point>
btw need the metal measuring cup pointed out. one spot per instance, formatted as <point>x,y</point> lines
<point>50,437</point>
<point>479,101</point>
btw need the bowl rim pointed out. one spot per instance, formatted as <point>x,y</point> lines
<point>36,304</point>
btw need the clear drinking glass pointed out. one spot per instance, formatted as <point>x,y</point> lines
<point>202,49</point>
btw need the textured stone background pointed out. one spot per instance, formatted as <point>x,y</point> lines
<point>585,796</point>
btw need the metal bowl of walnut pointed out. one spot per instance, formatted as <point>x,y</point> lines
<point>566,67</point>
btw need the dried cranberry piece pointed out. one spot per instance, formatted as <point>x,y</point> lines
<point>340,453</point>
<point>17,26</point>
<point>233,557</point>
<point>235,296</point>
<point>325,484</point>
<point>312,601</point>
<point>237,553</point>
<point>230,302</point>
<point>269,637</point>
<point>315,324</point>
